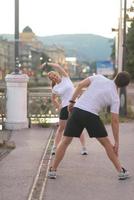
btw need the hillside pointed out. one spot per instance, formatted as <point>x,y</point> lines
<point>87,47</point>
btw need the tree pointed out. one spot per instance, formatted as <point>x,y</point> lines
<point>113,52</point>
<point>130,50</point>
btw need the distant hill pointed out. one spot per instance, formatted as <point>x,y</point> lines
<point>9,37</point>
<point>87,47</point>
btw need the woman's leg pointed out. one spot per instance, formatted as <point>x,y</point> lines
<point>59,132</point>
<point>82,140</point>
<point>83,144</point>
<point>58,135</point>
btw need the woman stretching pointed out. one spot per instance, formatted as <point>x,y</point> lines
<point>62,87</point>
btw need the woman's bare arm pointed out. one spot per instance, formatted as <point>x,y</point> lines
<point>58,67</point>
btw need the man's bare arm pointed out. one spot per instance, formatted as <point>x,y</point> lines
<point>115,130</point>
<point>83,84</point>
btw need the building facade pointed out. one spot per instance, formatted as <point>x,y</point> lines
<point>31,50</point>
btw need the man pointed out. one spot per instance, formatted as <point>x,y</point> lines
<point>100,92</point>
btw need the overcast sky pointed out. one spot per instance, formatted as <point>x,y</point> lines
<point>52,17</point>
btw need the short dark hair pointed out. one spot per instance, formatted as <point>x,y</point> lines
<point>122,79</point>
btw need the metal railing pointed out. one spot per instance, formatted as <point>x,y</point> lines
<point>2,109</point>
<point>40,109</point>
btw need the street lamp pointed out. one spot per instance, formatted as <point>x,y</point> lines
<point>16,51</point>
<point>116,46</point>
<point>124,37</point>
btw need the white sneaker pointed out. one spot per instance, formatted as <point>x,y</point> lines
<point>51,173</point>
<point>84,151</point>
<point>124,174</point>
<point>53,150</point>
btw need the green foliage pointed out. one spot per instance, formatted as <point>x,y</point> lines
<point>37,84</point>
<point>130,113</point>
<point>113,51</point>
<point>130,50</point>
<point>45,125</point>
<point>106,116</point>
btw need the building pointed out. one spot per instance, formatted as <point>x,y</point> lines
<point>4,59</point>
<point>31,54</point>
<point>28,37</point>
<point>57,54</point>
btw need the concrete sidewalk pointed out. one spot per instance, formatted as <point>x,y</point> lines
<point>19,167</point>
<point>79,177</point>
<point>93,177</point>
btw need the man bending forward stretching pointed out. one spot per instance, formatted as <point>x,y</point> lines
<point>100,92</point>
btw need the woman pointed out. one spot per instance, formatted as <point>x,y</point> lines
<point>62,87</point>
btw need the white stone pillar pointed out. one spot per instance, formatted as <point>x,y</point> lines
<point>16,101</point>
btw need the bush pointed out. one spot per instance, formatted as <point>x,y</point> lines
<point>106,116</point>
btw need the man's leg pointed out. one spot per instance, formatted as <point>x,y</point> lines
<point>110,152</point>
<point>60,151</point>
<point>123,173</point>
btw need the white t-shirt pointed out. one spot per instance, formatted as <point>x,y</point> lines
<point>101,93</point>
<point>64,90</point>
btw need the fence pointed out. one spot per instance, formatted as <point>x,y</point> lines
<point>2,109</point>
<point>39,109</point>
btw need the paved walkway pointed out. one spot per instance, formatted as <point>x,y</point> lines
<point>19,167</point>
<point>79,177</point>
<point>93,177</point>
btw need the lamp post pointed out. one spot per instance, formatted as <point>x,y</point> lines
<point>123,95</point>
<point>124,37</point>
<point>16,88</point>
<point>116,46</point>
<point>120,40</point>
<point>16,51</point>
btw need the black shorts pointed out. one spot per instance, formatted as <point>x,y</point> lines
<point>64,113</point>
<point>81,119</point>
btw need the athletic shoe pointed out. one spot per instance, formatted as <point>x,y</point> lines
<point>124,174</point>
<point>84,151</point>
<point>51,173</point>
<point>53,150</point>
